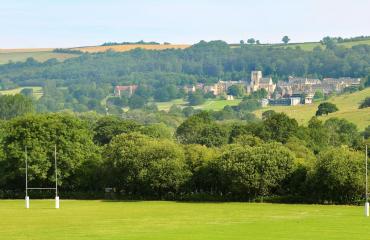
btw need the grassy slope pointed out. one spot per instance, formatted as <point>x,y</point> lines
<point>37,91</point>
<point>41,56</point>
<point>347,104</point>
<point>124,48</point>
<point>79,220</point>
<point>213,104</point>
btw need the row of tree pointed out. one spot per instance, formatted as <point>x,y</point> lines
<point>203,159</point>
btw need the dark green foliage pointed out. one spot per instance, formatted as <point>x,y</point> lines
<point>108,127</point>
<point>139,164</point>
<point>40,133</point>
<point>252,171</point>
<point>17,105</point>
<point>319,95</point>
<point>196,98</point>
<point>366,133</point>
<point>326,108</point>
<point>236,91</point>
<point>278,127</point>
<point>201,129</point>
<point>365,103</point>
<point>285,39</point>
<point>339,175</point>
<point>27,92</point>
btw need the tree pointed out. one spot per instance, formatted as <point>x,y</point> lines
<point>40,133</point>
<point>254,171</point>
<point>136,102</point>
<point>319,95</point>
<point>366,133</point>
<point>278,127</point>
<point>27,92</point>
<point>285,39</point>
<point>329,42</point>
<point>236,91</point>
<point>139,164</point>
<point>342,132</point>
<point>196,98</point>
<point>13,106</point>
<point>326,108</point>
<point>201,129</point>
<point>338,175</point>
<point>251,41</point>
<point>108,127</point>
<point>365,103</point>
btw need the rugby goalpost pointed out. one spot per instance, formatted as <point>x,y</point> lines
<point>27,198</point>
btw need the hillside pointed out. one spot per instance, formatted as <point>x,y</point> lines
<point>39,54</point>
<point>37,91</point>
<point>125,48</point>
<point>347,104</point>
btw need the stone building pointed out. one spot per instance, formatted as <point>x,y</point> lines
<point>259,82</point>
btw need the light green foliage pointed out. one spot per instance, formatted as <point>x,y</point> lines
<point>140,164</point>
<point>40,133</point>
<point>339,175</point>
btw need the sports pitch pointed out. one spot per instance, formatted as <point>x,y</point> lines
<point>173,220</point>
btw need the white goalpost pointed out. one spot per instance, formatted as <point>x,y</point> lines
<point>27,198</point>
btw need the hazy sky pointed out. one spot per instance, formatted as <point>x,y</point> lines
<point>67,23</point>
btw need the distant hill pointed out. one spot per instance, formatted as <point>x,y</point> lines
<point>128,47</point>
<point>348,109</point>
<point>39,54</point>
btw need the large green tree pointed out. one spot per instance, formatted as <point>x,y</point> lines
<point>138,164</point>
<point>39,134</point>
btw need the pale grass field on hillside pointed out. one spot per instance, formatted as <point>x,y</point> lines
<point>348,109</point>
<point>124,48</point>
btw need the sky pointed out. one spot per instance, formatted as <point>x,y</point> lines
<point>71,23</point>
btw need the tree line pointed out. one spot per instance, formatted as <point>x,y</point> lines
<point>272,159</point>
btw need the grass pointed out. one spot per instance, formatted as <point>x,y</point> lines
<point>124,48</point>
<point>348,109</point>
<point>217,104</point>
<point>186,221</point>
<point>41,56</point>
<point>210,104</point>
<point>37,91</point>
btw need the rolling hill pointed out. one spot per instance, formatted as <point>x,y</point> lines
<point>128,47</point>
<point>347,104</point>
<point>39,54</point>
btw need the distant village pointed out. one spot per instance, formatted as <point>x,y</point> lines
<point>295,91</point>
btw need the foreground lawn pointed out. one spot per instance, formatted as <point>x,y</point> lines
<point>171,220</point>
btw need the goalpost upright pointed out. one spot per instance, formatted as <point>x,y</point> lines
<point>40,188</point>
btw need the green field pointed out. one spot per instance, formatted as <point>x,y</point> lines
<point>210,104</point>
<point>309,46</point>
<point>104,220</point>
<point>347,104</point>
<point>41,56</point>
<point>37,91</point>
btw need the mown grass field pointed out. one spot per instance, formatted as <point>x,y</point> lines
<point>37,91</point>
<point>79,220</point>
<point>348,109</point>
<point>39,54</point>
<point>309,46</point>
<point>125,48</point>
<point>210,104</point>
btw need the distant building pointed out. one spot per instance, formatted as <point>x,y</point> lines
<point>258,82</point>
<point>130,89</point>
<point>285,101</point>
<point>229,97</point>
